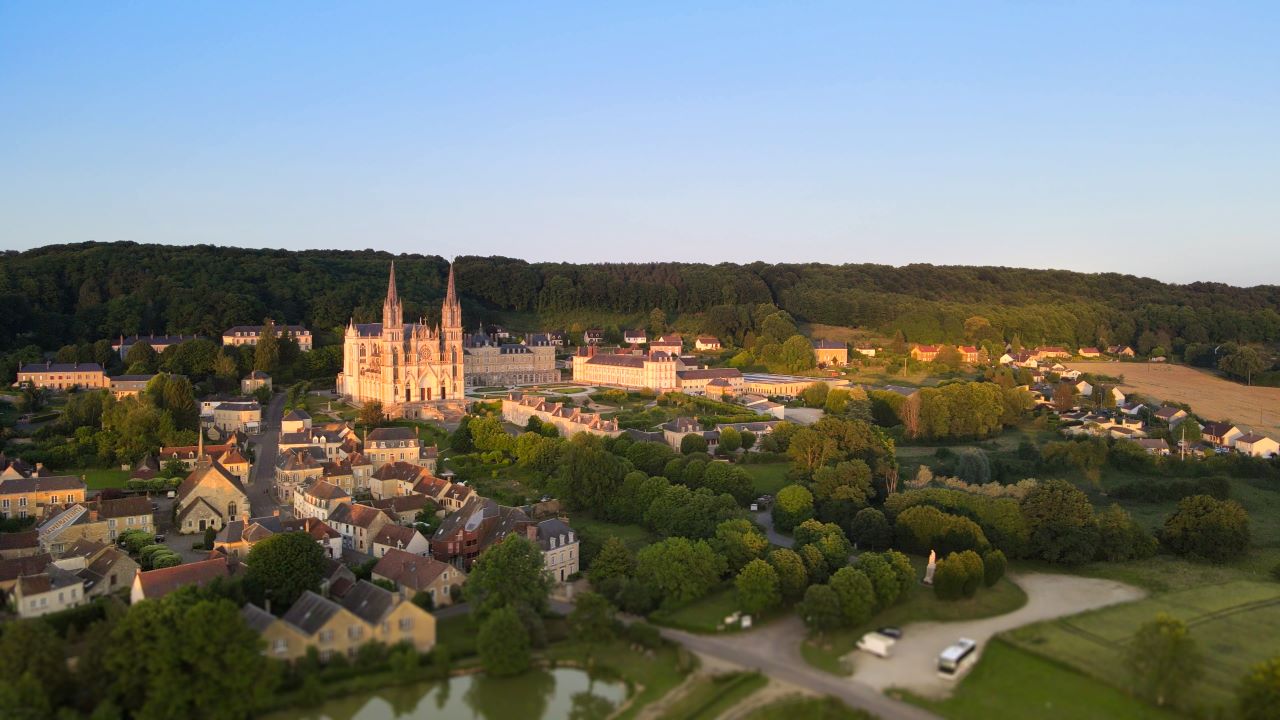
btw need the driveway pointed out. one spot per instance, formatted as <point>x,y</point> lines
<point>913,665</point>
<point>775,651</point>
<point>266,444</point>
<point>764,519</point>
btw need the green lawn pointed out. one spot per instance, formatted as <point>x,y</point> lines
<point>808,708</point>
<point>710,696</point>
<point>704,615</point>
<point>100,478</point>
<point>767,478</point>
<point>1011,683</point>
<point>633,536</point>
<point>826,652</point>
<point>1236,624</point>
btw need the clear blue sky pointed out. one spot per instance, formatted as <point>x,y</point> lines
<point>1139,137</point>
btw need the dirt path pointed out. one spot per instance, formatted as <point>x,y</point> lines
<point>1048,596</point>
<point>1211,397</point>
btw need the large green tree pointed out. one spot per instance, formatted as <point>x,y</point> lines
<point>1259,692</point>
<point>679,570</point>
<point>509,574</point>
<point>1206,527</point>
<point>757,587</point>
<point>282,567</point>
<point>160,647</point>
<point>503,643</point>
<point>1164,660</point>
<point>1061,521</point>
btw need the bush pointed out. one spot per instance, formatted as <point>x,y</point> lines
<point>870,530</point>
<point>948,578</point>
<point>1000,518</point>
<point>974,572</point>
<point>643,634</point>
<point>993,567</point>
<point>923,528</point>
<point>1163,489</point>
<point>793,506</point>
<point>1208,528</point>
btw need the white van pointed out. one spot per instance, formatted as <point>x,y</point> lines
<point>955,658</point>
<point>877,644</point>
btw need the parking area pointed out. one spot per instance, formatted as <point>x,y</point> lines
<point>913,664</point>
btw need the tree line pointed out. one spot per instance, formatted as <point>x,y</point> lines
<point>63,294</point>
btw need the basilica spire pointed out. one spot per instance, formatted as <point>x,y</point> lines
<point>451,311</point>
<point>392,314</point>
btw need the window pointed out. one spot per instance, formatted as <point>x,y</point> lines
<point>5,503</point>
<point>22,502</point>
<point>355,632</point>
<point>54,499</point>
<point>406,624</point>
<point>326,636</point>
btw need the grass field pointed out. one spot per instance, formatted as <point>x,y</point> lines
<point>1012,683</point>
<point>709,696</point>
<point>767,478</point>
<point>808,708</point>
<point>100,478</point>
<point>1236,624</point>
<point>633,536</point>
<point>1209,396</point>
<point>1259,497</point>
<point>703,615</point>
<point>826,652</point>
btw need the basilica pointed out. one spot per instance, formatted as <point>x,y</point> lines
<point>404,366</point>
<point>413,368</point>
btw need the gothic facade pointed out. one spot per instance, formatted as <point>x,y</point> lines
<point>405,366</point>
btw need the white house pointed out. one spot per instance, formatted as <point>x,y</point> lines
<point>1084,388</point>
<point>1255,445</point>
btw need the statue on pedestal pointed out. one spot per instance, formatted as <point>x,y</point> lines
<point>928,571</point>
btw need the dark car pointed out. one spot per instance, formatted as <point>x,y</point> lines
<point>893,632</point>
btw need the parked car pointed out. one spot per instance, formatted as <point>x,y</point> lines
<point>877,644</point>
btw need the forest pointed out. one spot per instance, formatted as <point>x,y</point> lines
<point>65,294</point>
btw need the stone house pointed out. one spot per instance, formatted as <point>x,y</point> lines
<point>413,574</point>
<point>39,495</point>
<point>209,497</point>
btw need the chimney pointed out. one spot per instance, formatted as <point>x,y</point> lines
<point>275,513</point>
<point>93,515</point>
<point>531,531</point>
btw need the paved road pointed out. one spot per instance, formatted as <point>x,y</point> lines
<point>266,444</point>
<point>775,651</point>
<point>765,519</point>
<point>1048,596</point>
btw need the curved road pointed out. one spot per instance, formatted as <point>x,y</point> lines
<point>775,651</point>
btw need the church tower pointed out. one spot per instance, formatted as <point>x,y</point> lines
<point>451,341</point>
<point>392,341</point>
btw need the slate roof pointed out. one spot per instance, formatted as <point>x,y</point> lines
<point>310,612</point>
<point>395,536</point>
<point>392,433</point>
<point>40,483</point>
<point>368,602</point>
<point>256,618</point>
<point>60,367</point>
<point>708,373</point>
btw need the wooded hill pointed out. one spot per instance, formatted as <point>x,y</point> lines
<point>76,293</point>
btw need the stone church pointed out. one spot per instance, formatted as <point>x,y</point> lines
<point>406,367</point>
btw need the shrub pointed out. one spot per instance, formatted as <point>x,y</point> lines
<point>948,578</point>
<point>993,566</point>
<point>973,572</point>
<point>1000,518</point>
<point>793,506</point>
<point>870,530</point>
<point>923,528</point>
<point>1204,527</point>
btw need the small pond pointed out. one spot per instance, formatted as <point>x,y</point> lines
<point>535,695</point>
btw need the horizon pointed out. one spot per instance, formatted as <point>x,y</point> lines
<point>1135,140</point>
<point>398,254</point>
